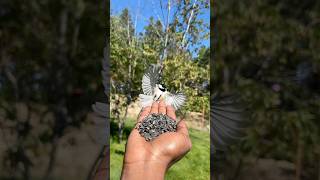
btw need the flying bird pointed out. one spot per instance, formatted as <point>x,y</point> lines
<point>227,128</point>
<point>154,90</point>
<point>227,121</point>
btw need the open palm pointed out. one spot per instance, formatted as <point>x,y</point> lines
<point>166,148</point>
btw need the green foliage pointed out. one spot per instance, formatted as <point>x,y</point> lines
<point>259,47</point>
<point>186,76</point>
<point>131,54</point>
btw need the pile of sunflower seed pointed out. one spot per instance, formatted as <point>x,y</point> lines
<point>155,124</point>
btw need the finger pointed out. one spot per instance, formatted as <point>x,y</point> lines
<point>155,107</point>
<point>182,128</point>
<point>171,112</point>
<point>144,113</point>
<point>162,107</point>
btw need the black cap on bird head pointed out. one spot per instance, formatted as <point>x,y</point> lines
<point>162,87</point>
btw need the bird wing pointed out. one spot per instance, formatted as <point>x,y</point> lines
<point>101,122</point>
<point>303,72</point>
<point>227,123</point>
<point>227,127</point>
<point>101,118</point>
<point>145,100</point>
<point>150,79</point>
<point>175,99</point>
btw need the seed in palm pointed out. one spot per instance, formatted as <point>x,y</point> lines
<point>156,124</point>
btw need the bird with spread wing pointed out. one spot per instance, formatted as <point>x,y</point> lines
<point>154,90</point>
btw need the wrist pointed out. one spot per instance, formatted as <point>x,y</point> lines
<point>154,170</point>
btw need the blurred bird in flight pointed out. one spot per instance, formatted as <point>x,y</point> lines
<point>154,90</point>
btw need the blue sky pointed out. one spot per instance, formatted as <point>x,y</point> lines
<point>144,9</point>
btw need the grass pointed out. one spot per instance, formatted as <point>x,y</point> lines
<point>195,165</point>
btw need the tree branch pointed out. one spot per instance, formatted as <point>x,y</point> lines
<point>188,25</point>
<point>164,55</point>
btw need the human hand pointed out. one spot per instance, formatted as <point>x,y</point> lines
<point>151,159</point>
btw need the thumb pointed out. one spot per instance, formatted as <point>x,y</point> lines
<point>182,128</point>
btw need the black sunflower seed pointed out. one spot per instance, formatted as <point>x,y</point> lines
<point>156,124</point>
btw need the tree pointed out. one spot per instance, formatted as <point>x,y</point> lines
<point>126,51</point>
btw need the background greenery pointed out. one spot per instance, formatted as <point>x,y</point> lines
<point>267,52</point>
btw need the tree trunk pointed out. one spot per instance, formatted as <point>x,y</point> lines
<point>121,123</point>
<point>26,172</point>
<point>120,130</point>
<point>226,78</point>
<point>52,158</point>
<point>299,158</point>
<point>188,25</point>
<point>203,116</point>
<point>164,55</point>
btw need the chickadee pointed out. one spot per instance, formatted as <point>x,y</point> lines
<point>153,90</point>
<point>159,92</point>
